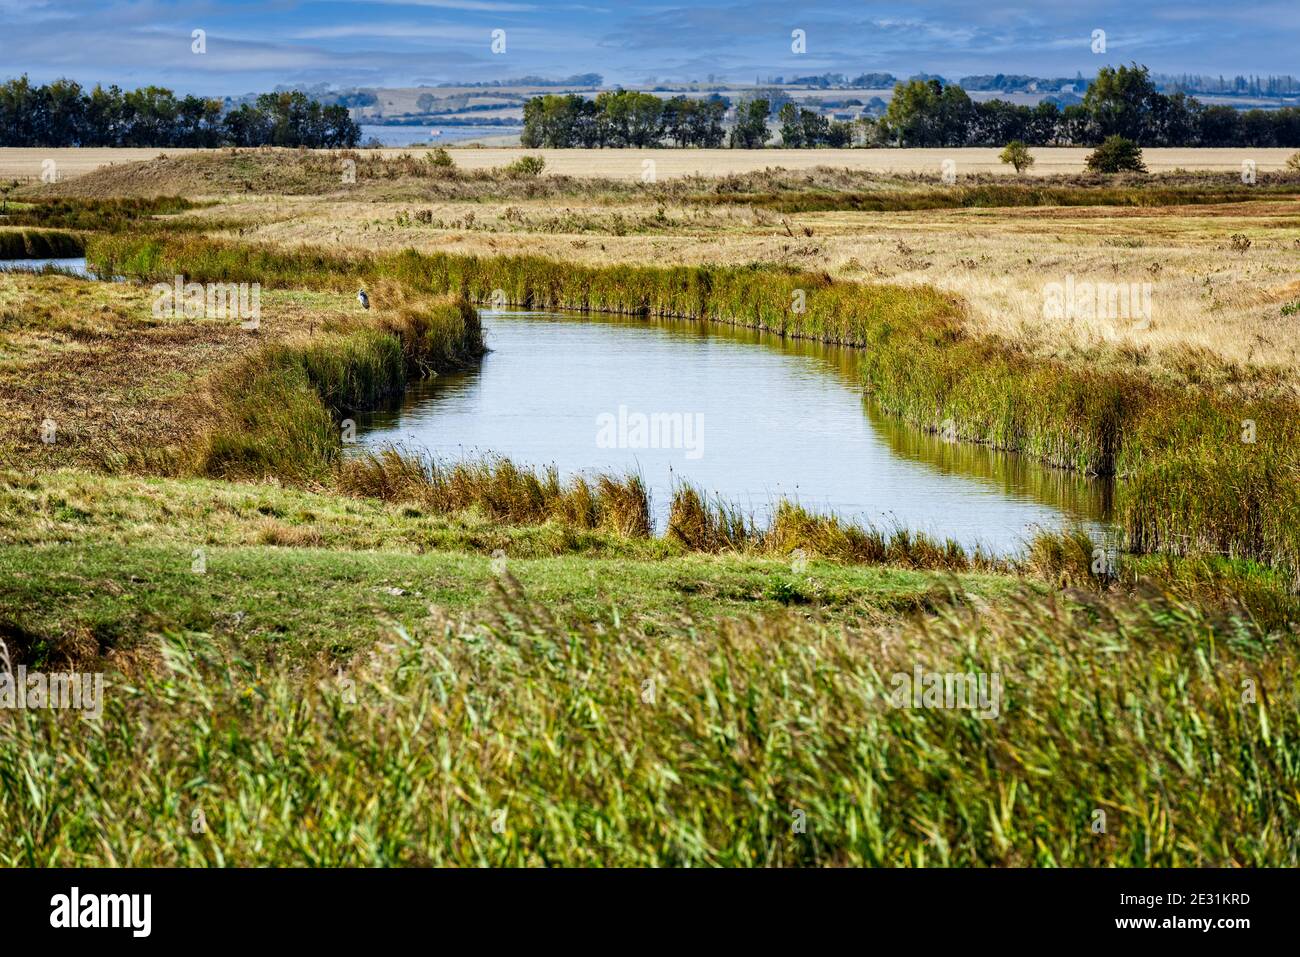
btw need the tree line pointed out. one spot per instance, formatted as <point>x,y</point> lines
<point>1121,101</point>
<point>62,113</point>
<point>623,118</point>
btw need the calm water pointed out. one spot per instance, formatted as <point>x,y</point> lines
<point>760,418</point>
<point>77,266</point>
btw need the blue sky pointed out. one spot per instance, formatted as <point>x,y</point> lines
<point>256,45</point>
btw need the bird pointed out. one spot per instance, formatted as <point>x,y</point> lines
<point>363,299</point>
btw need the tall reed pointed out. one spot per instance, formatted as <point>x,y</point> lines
<point>515,739</point>
<point>39,244</point>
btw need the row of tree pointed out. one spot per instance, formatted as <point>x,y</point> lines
<point>923,112</point>
<point>1120,102</point>
<point>63,114</point>
<point>623,118</point>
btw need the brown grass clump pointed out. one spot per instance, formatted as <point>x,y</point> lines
<point>501,491</point>
<point>273,532</point>
<point>711,527</point>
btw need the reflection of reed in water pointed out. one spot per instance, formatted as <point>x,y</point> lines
<point>1079,497</point>
<point>1075,495</point>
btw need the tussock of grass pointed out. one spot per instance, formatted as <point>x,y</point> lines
<point>793,527</point>
<point>501,491</point>
<point>707,526</point>
<point>703,745</point>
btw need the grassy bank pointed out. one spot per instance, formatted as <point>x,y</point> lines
<point>513,738</point>
<point>92,567</point>
<point>919,362</point>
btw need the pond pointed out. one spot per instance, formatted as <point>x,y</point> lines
<point>746,416</point>
<point>77,265</point>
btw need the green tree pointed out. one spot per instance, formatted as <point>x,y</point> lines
<point>1121,102</point>
<point>792,136</point>
<point>750,131</point>
<point>927,113</point>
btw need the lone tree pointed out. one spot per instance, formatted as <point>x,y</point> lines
<point>1016,153</point>
<point>1116,155</point>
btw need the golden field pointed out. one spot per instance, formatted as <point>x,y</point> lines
<point>25,164</point>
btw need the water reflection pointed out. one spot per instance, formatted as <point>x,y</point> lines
<point>780,418</point>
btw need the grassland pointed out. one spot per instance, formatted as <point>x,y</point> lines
<point>391,661</point>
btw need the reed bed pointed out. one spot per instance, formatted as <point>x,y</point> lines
<point>784,301</point>
<point>115,213</point>
<point>1191,479</point>
<point>517,740</point>
<point>503,491</point>
<point>278,412</point>
<point>996,195</point>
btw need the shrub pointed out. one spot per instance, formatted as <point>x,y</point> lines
<point>440,158</point>
<point>1293,162</point>
<point>1016,153</point>
<point>1116,155</point>
<point>526,166</point>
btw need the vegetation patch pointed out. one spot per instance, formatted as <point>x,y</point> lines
<point>279,411</point>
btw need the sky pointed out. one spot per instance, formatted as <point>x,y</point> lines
<point>259,44</point>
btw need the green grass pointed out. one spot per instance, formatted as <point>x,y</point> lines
<point>292,604</point>
<point>93,565</point>
<point>514,738</point>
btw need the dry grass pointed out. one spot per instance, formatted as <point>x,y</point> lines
<point>120,384</point>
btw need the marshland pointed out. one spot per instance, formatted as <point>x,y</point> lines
<point>367,589</point>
